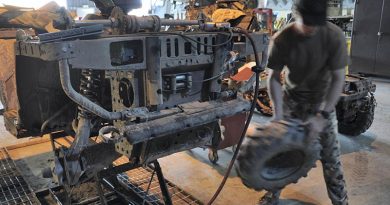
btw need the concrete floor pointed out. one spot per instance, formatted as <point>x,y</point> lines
<point>365,158</point>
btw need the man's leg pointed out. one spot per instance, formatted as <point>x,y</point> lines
<point>291,109</point>
<point>270,198</point>
<point>330,158</point>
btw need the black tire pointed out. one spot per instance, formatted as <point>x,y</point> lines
<point>360,122</point>
<point>277,155</point>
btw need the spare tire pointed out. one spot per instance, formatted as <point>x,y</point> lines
<point>277,154</point>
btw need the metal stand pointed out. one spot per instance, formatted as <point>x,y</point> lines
<point>163,185</point>
<point>99,189</point>
<point>108,177</point>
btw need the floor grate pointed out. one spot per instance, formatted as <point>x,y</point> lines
<point>13,188</point>
<point>140,182</point>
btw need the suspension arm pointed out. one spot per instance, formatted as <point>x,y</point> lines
<point>81,100</point>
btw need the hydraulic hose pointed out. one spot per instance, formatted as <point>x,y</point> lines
<point>257,69</point>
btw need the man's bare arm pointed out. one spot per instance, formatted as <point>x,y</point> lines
<point>275,92</point>
<point>334,91</point>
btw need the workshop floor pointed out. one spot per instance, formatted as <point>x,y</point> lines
<point>366,160</point>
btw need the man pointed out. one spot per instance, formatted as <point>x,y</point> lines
<point>314,53</point>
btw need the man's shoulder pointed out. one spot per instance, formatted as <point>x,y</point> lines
<point>334,31</point>
<point>283,34</point>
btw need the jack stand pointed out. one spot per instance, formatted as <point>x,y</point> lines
<point>163,185</point>
<point>99,189</point>
<point>110,175</point>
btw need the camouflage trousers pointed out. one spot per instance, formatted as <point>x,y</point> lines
<point>330,153</point>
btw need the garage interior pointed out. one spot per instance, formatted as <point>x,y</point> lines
<point>38,114</point>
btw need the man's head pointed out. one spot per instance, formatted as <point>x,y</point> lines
<point>309,14</point>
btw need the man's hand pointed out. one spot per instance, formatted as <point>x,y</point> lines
<point>317,123</point>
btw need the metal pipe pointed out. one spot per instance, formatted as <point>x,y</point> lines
<point>145,22</point>
<point>81,100</point>
<point>169,22</point>
<point>104,22</point>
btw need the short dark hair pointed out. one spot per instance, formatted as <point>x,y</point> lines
<point>313,12</point>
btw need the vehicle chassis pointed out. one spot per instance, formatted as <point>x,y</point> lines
<point>165,95</point>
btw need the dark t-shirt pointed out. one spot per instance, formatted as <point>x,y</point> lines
<point>309,60</point>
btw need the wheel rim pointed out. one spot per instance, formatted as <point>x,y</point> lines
<point>283,165</point>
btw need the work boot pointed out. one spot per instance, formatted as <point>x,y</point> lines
<point>269,199</point>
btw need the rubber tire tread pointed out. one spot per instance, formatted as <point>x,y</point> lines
<point>255,152</point>
<point>361,124</point>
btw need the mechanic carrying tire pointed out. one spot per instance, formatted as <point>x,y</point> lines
<point>315,54</point>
